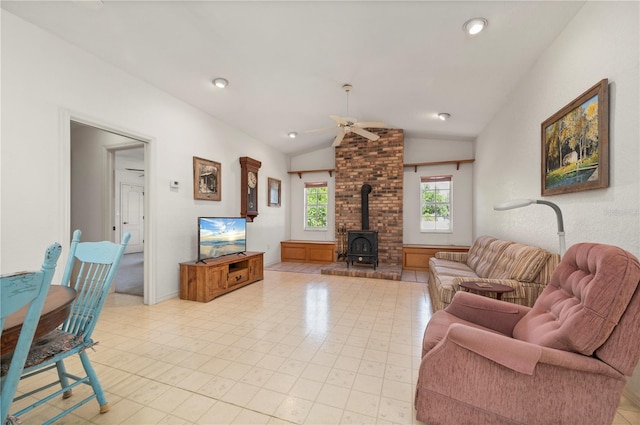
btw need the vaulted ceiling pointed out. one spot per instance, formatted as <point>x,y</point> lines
<point>287,61</point>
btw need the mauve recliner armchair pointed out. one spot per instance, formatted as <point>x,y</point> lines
<point>563,361</point>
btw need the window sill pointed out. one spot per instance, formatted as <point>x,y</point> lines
<point>437,231</point>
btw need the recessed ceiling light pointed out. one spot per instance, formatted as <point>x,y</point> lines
<point>292,134</point>
<point>220,83</point>
<point>475,25</point>
<point>444,116</point>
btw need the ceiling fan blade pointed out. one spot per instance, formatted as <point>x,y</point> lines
<point>364,133</point>
<point>338,139</point>
<point>373,124</point>
<point>338,119</point>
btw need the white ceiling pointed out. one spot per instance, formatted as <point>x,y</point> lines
<point>286,61</point>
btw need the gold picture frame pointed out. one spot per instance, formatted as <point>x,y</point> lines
<point>274,196</point>
<point>207,179</point>
<point>575,144</point>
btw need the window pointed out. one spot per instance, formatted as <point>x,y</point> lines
<point>316,199</point>
<point>435,205</point>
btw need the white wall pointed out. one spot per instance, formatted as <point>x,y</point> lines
<point>415,150</point>
<point>297,207</point>
<point>431,150</point>
<point>322,159</point>
<point>44,81</point>
<point>602,41</point>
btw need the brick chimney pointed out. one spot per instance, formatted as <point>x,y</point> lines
<point>379,164</point>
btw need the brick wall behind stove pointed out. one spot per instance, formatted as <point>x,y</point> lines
<point>380,164</point>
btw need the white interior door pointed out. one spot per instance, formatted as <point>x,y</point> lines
<point>132,215</point>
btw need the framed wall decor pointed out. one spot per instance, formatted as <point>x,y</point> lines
<point>207,177</point>
<point>575,144</point>
<point>274,195</point>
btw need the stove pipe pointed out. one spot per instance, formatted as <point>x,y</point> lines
<point>365,191</point>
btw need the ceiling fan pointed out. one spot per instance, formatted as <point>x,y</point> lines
<point>351,125</point>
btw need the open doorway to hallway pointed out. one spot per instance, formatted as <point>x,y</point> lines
<point>107,196</point>
<point>129,217</point>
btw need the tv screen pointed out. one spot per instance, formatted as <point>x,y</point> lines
<point>218,236</point>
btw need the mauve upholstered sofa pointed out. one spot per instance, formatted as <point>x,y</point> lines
<point>525,268</point>
<point>564,361</point>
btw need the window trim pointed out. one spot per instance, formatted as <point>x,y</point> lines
<point>312,185</point>
<point>437,179</point>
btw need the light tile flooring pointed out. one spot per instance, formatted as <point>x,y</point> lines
<point>293,348</point>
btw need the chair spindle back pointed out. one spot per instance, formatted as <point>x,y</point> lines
<point>91,268</point>
<point>17,291</point>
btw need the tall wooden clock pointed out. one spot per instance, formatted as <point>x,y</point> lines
<point>249,187</point>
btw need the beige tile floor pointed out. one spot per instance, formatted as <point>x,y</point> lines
<point>293,348</point>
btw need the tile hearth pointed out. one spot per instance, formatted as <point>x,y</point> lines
<point>363,270</point>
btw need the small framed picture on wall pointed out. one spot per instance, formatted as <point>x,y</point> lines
<point>207,177</point>
<point>274,195</point>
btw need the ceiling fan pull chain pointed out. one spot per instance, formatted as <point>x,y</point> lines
<point>348,103</point>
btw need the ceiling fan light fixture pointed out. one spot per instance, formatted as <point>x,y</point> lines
<point>475,26</point>
<point>292,134</point>
<point>444,116</point>
<point>220,83</point>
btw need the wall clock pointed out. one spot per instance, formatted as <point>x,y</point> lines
<point>249,187</point>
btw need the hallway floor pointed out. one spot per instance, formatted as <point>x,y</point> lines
<point>130,276</point>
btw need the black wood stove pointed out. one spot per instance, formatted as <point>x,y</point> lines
<point>362,245</point>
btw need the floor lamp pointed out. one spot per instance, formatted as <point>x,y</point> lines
<point>519,203</point>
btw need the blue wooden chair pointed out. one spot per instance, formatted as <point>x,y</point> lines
<point>17,291</point>
<point>90,270</point>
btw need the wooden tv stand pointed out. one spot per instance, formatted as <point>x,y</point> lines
<point>208,279</point>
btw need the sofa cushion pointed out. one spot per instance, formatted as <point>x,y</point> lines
<point>582,303</point>
<point>450,268</point>
<point>519,262</point>
<point>443,275</point>
<point>483,254</point>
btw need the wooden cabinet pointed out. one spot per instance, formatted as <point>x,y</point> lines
<point>308,252</point>
<point>256,268</point>
<point>204,281</point>
<point>416,257</point>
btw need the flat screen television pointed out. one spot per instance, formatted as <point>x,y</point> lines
<point>218,236</point>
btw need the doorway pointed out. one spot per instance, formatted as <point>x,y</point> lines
<point>129,216</point>
<point>105,205</point>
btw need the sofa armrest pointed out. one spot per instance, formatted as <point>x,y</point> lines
<point>522,356</point>
<point>500,316</point>
<point>458,257</point>
<point>514,354</point>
